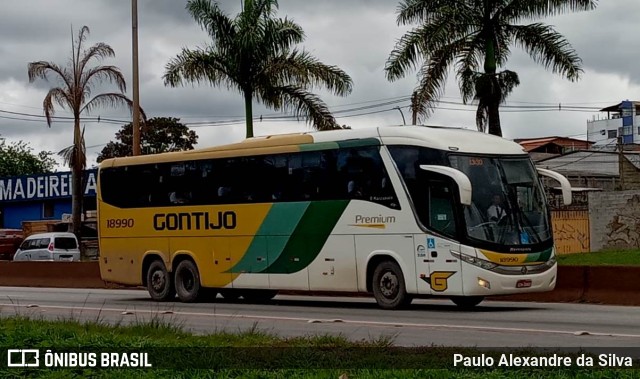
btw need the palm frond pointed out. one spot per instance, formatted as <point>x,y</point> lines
<point>467,65</point>
<point>59,96</point>
<point>76,154</point>
<point>212,19</point>
<point>517,10</point>
<point>83,33</point>
<point>467,79</point>
<point>301,69</point>
<point>110,99</point>
<point>281,34</point>
<point>110,74</point>
<point>42,70</point>
<point>547,47</point>
<point>426,11</point>
<point>265,8</point>
<point>420,43</point>
<point>508,81</point>
<point>200,66</point>
<point>98,51</point>
<point>433,75</point>
<point>303,104</point>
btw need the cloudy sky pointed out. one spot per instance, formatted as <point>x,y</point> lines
<point>356,35</point>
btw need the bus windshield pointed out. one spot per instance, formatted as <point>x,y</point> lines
<point>508,203</point>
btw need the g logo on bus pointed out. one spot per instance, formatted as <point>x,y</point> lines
<point>438,280</point>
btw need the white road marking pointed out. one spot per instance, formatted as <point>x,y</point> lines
<point>344,321</point>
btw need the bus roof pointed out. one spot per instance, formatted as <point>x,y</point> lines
<point>442,138</point>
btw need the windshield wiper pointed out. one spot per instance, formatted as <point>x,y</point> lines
<point>528,223</point>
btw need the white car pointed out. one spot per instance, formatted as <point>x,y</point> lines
<point>49,247</point>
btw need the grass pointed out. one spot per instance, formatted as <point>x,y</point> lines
<point>176,353</point>
<point>602,258</point>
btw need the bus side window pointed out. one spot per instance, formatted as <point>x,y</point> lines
<point>435,203</point>
<point>274,177</point>
<point>365,177</point>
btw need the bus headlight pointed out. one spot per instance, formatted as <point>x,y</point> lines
<point>475,261</point>
<point>484,283</point>
<point>551,261</point>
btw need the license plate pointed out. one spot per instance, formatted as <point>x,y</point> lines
<point>525,283</point>
<point>67,259</point>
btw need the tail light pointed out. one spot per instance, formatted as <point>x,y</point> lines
<point>50,248</point>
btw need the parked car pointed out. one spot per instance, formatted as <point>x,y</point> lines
<point>10,241</point>
<point>49,247</point>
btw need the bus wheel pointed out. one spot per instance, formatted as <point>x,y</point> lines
<point>259,296</point>
<point>160,282</point>
<point>187,281</point>
<point>467,302</point>
<point>388,286</point>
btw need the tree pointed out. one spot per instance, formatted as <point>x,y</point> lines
<point>254,54</point>
<point>77,82</point>
<point>162,134</point>
<point>468,33</point>
<point>18,158</point>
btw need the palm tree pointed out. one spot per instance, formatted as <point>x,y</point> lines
<point>468,33</point>
<point>254,54</point>
<point>76,82</point>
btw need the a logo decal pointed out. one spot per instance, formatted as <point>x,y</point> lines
<point>431,243</point>
<point>438,280</point>
<point>377,222</point>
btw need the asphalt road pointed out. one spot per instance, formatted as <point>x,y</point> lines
<point>427,322</point>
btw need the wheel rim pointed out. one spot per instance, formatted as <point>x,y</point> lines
<point>389,285</point>
<point>187,280</point>
<point>158,280</point>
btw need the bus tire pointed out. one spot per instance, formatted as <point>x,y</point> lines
<point>160,282</point>
<point>187,281</point>
<point>467,302</point>
<point>259,296</point>
<point>388,286</point>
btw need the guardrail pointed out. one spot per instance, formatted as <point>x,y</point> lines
<point>590,284</point>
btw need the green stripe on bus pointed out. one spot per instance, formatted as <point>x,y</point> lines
<point>318,146</point>
<point>542,256</point>
<point>309,237</point>
<point>271,237</point>
<point>359,142</point>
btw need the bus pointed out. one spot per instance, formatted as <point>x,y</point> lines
<point>399,212</point>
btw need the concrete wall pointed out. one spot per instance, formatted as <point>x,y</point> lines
<point>606,285</point>
<point>614,220</point>
<point>629,175</point>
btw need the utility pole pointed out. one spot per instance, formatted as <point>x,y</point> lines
<point>414,109</point>
<point>621,162</point>
<point>404,122</point>
<point>136,95</point>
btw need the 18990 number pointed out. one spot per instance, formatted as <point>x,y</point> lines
<point>120,223</point>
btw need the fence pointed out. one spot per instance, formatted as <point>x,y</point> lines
<point>571,231</point>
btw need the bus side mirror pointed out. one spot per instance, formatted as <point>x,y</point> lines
<point>564,183</point>
<point>461,179</point>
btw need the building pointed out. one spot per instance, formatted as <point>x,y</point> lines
<point>620,125</point>
<point>598,169</point>
<point>547,147</point>
<point>41,197</point>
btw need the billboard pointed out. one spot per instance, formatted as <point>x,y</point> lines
<point>55,185</point>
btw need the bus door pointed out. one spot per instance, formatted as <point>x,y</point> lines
<point>437,269</point>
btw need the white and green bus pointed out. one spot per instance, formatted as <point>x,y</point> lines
<point>399,212</point>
